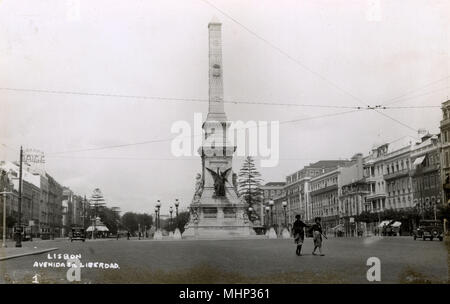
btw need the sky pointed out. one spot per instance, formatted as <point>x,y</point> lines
<point>328,53</point>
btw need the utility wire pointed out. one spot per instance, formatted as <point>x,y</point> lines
<point>195,135</point>
<point>395,99</point>
<point>177,99</point>
<point>298,62</point>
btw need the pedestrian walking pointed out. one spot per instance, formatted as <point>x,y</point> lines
<point>317,235</point>
<point>299,234</point>
<point>128,235</point>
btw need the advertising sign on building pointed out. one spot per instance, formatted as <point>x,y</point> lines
<point>34,156</point>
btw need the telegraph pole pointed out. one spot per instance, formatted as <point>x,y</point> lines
<point>19,225</point>
<point>4,218</point>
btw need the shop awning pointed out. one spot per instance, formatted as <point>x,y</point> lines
<point>396,224</point>
<point>419,160</point>
<point>384,223</point>
<point>97,228</point>
<point>338,227</point>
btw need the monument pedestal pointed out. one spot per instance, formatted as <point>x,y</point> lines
<point>272,233</point>
<point>286,234</point>
<point>158,235</point>
<point>177,234</point>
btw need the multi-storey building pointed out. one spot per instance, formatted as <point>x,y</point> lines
<point>55,193</point>
<point>270,191</point>
<point>30,196</point>
<point>353,193</point>
<point>298,188</point>
<point>425,173</point>
<point>375,200</point>
<point>78,212</point>
<point>67,210</point>
<point>325,190</point>
<point>445,151</point>
<point>397,178</point>
<point>44,208</point>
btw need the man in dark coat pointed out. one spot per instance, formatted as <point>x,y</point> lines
<point>299,233</point>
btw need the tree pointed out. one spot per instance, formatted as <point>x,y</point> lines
<point>131,221</point>
<point>444,212</point>
<point>181,220</point>
<point>249,183</point>
<point>109,218</point>
<point>366,217</point>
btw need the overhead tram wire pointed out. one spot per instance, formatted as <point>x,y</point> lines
<point>185,158</point>
<point>175,99</point>
<point>298,62</point>
<point>195,135</point>
<point>395,99</point>
<point>178,99</point>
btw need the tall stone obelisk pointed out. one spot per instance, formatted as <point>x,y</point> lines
<point>216,210</point>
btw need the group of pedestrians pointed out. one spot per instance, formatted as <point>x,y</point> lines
<point>299,234</point>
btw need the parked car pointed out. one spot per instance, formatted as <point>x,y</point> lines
<point>429,229</point>
<point>78,234</point>
<point>45,233</point>
<point>25,233</point>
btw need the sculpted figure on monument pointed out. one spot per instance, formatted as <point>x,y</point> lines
<point>198,186</point>
<point>219,180</point>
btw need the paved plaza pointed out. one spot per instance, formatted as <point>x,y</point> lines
<point>403,260</point>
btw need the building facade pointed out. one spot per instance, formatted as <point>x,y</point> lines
<point>445,151</point>
<point>425,173</point>
<point>270,191</point>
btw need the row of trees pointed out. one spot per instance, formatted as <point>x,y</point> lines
<point>131,222</point>
<point>411,214</point>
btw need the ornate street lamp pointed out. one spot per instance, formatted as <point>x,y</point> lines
<point>267,216</point>
<point>285,218</point>
<point>156,218</point>
<point>271,203</point>
<point>158,205</point>
<point>250,210</point>
<point>170,223</point>
<point>176,207</point>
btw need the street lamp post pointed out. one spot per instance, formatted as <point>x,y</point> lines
<point>156,218</point>
<point>170,223</point>
<point>250,210</point>
<point>4,193</point>
<point>19,231</point>
<point>158,205</point>
<point>285,218</point>
<point>176,207</point>
<point>271,203</point>
<point>267,216</point>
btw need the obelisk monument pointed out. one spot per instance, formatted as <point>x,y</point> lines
<point>216,210</point>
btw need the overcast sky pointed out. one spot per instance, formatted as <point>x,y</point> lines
<point>349,53</point>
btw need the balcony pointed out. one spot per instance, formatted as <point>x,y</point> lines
<point>423,170</point>
<point>325,189</point>
<point>445,122</point>
<point>396,174</point>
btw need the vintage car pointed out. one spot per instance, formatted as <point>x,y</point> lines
<point>45,234</point>
<point>431,229</point>
<point>25,233</point>
<point>78,234</point>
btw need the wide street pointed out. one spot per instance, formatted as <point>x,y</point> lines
<point>403,260</point>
